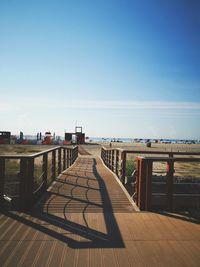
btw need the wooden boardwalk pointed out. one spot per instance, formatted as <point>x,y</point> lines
<point>86,219</point>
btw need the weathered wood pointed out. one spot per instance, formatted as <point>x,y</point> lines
<point>2,179</point>
<point>169,183</point>
<point>68,158</point>
<point>142,185</point>
<point>137,192</point>
<point>117,163</point>
<point>113,155</point>
<point>53,169</point>
<point>26,183</point>
<point>149,185</point>
<point>67,229</point>
<point>23,179</point>
<point>59,161</point>
<point>123,166</point>
<point>44,169</point>
<point>30,183</point>
<point>64,159</point>
<point>71,158</point>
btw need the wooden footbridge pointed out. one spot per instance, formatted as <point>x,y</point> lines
<point>86,218</point>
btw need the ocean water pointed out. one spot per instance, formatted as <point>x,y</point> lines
<point>124,140</point>
<point>142,140</point>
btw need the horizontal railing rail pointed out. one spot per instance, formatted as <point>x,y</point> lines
<point>119,158</point>
<point>34,173</point>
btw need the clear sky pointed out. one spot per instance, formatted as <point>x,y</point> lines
<point>117,68</point>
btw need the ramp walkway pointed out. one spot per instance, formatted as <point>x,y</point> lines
<point>86,219</point>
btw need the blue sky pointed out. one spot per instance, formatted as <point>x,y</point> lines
<point>118,68</point>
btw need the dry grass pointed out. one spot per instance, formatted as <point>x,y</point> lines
<point>22,149</point>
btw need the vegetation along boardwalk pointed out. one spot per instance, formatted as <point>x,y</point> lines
<point>86,219</point>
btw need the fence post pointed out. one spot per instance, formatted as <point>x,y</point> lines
<point>71,157</point>
<point>149,185</point>
<point>169,184</point>
<point>26,183</point>
<point>67,157</point>
<point>59,160</point>
<point>23,178</point>
<point>137,191</point>
<point>76,152</point>
<point>44,169</point>
<point>142,184</point>
<point>2,179</point>
<point>53,170</point>
<point>123,168</point>
<point>113,159</point>
<point>117,163</point>
<point>64,158</point>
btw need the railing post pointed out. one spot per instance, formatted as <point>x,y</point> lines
<point>123,168</point>
<point>59,160</point>
<point>76,152</point>
<point>142,184</point>
<point>71,157</point>
<point>44,169</point>
<point>26,183</point>
<point>53,170</point>
<point>104,155</point>
<point>112,167</point>
<point>149,185</point>
<point>169,184</point>
<point>109,159</point>
<point>67,157</point>
<point>117,163</point>
<point>2,180</point>
<point>23,178</point>
<point>64,158</point>
<point>31,181</point>
<point>137,191</point>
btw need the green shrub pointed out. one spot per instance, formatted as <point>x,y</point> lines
<point>130,167</point>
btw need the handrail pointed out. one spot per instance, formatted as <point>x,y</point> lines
<point>115,159</point>
<point>66,157</point>
<point>144,171</point>
<point>37,154</point>
<point>119,165</point>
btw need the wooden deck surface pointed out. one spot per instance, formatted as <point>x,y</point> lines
<point>86,219</point>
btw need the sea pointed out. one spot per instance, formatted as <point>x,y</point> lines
<point>125,140</point>
<point>144,140</point>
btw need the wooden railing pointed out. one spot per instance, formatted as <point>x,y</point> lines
<point>116,160</point>
<point>170,199</point>
<point>32,174</point>
<point>112,159</point>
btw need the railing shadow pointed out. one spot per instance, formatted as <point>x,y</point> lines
<point>86,237</point>
<point>192,216</point>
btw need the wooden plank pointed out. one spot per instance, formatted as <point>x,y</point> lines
<point>84,220</point>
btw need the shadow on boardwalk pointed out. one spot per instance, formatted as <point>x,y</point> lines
<point>64,213</point>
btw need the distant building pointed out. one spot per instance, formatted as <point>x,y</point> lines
<point>78,137</point>
<point>5,137</point>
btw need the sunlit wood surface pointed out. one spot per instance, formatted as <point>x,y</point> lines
<point>86,219</point>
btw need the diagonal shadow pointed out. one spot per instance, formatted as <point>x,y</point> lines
<point>89,237</point>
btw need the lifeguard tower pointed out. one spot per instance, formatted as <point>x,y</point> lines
<point>78,137</point>
<point>5,137</point>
